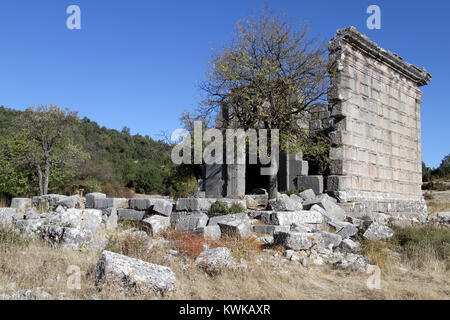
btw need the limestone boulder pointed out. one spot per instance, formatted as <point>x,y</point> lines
<point>91,197</point>
<point>133,274</point>
<point>378,231</point>
<point>21,204</point>
<point>214,261</point>
<point>308,194</point>
<point>70,202</point>
<point>156,224</point>
<point>286,203</point>
<point>191,221</point>
<point>237,228</point>
<point>331,211</point>
<point>296,240</point>
<point>297,217</point>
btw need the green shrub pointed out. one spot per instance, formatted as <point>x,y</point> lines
<point>236,208</point>
<point>436,186</point>
<point>219,208</point>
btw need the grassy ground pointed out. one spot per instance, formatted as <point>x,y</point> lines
<point>420,270</point>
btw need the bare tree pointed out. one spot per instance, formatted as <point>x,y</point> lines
<point>267,77</point>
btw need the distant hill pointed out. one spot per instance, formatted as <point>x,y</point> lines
<point>119,163</point>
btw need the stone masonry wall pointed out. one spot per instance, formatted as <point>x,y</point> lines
<point>375,101</point>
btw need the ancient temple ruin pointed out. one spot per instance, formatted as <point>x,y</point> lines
<point>373,120</point>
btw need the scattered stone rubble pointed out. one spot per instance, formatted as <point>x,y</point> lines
<point>313,229</point>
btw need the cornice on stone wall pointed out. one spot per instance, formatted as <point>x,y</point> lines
<point>351,36</point>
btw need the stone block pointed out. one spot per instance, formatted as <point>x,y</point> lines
<point>133,274</point>
<point>236,228</point>
<point>270,229</point>
<point>296,240</point>
<point>307,194</point>
<point>297,217</point>
<point>90,198</point>
<point>311,182</point>
<point>21,204</point>
<point>156,224</point>
<point>191,222</point>
<point>331,211</point>
<point>130,214</point>
<point>194,204</point>
<point>286,203</point>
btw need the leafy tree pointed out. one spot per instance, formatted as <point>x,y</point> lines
<point>49,143</point>
<point>268,76</point>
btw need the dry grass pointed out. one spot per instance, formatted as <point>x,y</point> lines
<point>33,264</point>
<point>437,201</point>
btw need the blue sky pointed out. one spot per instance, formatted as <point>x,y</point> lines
<point>138,63</point>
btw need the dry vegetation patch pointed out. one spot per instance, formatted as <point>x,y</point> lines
<point>414,265</point>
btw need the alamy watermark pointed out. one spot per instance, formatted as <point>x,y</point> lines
<point>236,142</point>
<point>374,20</point>
<point>374,280</point>
<point>74,20</point>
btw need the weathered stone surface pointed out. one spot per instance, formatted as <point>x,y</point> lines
<point>21,204</point>
<point>369,216</point>
<point>211,232</point>
<point>90,198</point>
<point>89,219</point>
<point>327,239</point>
<point>286,203</point>
<point>229,217</point>
<point>379,157</point>
<point>191,222</point>
<point>30,226</point>
<point>311,182</point>
<point>353,262</point>
<point>134,274</point>
<point>344,229</point>
<point>7,215</point>
<point>194,204</point>
<point>257,201</point>
<point>130,214</point>
<point>156,224</point>
<point>162,206</point>
<point>110,218</point>
<point>297,217</point>
<point>266,217</point>
<point>349,245</point>
<point>308,194</point>
<point>141,204</point>
<point>378,231</point>
<point>296,240</point>
<point>72,238</point>
<point>214,261</point>
<point>269,229</point>
<point>300,228</point>
<point>236,228</point>
<point>103,203</point>
<point>332,210</point>
<point>70,202</point>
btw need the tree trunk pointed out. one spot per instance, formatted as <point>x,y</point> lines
<point>273,186</point>
<point>41,189</point>
<point>46,175</point>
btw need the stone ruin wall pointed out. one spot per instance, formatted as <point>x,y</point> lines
<point>373,120</point>
<point>375,107</point>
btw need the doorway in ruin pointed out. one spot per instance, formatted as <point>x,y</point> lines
<point>254,179</point>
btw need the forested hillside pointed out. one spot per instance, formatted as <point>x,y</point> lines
<point>113,162</point>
